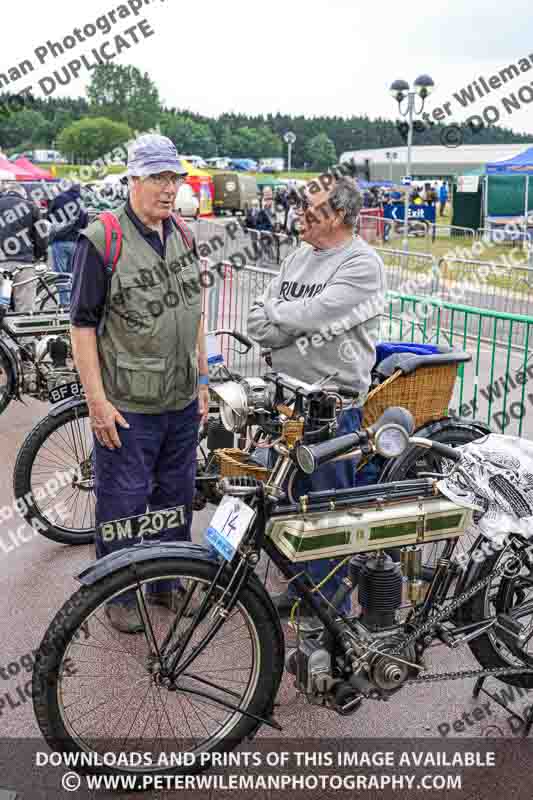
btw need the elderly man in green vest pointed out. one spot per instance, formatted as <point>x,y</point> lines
<point>139,346</point>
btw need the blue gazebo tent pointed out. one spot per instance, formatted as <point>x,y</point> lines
<point>509,192</point>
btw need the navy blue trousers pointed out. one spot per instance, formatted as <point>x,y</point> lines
<point>154,469</point>
<point>339,475</point>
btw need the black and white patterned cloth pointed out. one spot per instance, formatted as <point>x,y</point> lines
<point>495,478</point>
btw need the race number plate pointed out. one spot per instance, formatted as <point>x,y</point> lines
<point>230,522</point>
<point>149,524</point>
<point>66,391</point>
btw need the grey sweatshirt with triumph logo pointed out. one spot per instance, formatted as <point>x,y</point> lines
<point>320,315</point>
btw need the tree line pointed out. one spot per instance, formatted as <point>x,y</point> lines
<point>122,101</point>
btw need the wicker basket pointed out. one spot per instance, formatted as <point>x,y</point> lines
<point>232,465</point>
<point>427,393</point>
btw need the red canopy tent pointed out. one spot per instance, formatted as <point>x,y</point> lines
<point>19,174</point>
<point>36,172</point>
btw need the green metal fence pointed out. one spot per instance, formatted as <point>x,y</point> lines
<point>497,385</point>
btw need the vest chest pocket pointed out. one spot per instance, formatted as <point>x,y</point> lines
<point>137,305</point>
<point>141,379</point>
<point>189,281</point>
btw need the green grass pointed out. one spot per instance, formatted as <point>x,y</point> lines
<point>300,175</point>
<point>447,245</point>
<point>66,170</point>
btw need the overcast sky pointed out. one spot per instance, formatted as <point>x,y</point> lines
<point>314,57</point>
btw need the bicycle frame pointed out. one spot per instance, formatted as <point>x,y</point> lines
<point>39,278</point>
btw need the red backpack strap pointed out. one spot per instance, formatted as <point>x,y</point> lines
<point>185,231</point>
<point>113,240</point>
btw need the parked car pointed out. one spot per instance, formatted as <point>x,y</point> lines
<point>233,192</point>
<point>43,156</point>
<point>218,163</point>
<point>196,161</point>
<point>271,165</point>
<point>243,164</point>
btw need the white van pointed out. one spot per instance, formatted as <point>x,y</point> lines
<point>48,156</point>
<point>272,165</point>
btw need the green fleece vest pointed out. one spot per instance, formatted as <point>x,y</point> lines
<point>147,347</point>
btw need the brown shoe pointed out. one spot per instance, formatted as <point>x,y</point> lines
<point>124,619</point>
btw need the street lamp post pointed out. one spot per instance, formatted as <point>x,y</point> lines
<point>400,90</point>
<point>290,139</point>
<point>390,158</point>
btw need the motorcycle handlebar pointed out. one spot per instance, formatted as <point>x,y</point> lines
<point>318,454</point>
<point>310,457</point>
<point>240,337</point>
<point>446,451</point>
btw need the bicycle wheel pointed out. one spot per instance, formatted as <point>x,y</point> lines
<point>58,449</point>
<point>7,381</point>
<point>55,284</point>
<point>101,691</point>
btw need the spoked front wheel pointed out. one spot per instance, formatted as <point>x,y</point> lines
<point>53,477</point>
<point>101,691</point>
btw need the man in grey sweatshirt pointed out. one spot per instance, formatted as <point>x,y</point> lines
<point>320,316</point>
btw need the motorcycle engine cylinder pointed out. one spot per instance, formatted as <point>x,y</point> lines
<point>355,566</point>
<point>380,591</point>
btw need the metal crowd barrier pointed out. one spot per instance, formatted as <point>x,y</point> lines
<point>220,242</point>
<point>410,272</point>
<point>489,285</point>
<point>511,234</point>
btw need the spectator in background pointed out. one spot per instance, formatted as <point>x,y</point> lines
<point>266,217</point>
<point>68,217</point>
<point>252,214</point>
<point>443,198</point>
<point>416,198</point>
<point>387,202</point>
<point>23,241</point>
<point>293,229</point>
<point>431,196</point>
<point>374,197</point>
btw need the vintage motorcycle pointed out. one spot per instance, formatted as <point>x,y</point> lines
<point>35,354</point>
<point>201,681</point>
<point>241,428</point>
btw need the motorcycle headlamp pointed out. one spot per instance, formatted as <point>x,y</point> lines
<point>233,405</point>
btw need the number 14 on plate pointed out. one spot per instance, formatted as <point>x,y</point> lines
<point>228,525</point>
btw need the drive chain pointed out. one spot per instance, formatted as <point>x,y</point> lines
<point>494,672</point>
<point>425,627</point>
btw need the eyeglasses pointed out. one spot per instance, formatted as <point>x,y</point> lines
<point>167,177</point>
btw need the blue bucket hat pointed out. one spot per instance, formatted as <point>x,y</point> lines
<point>151,154</point>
